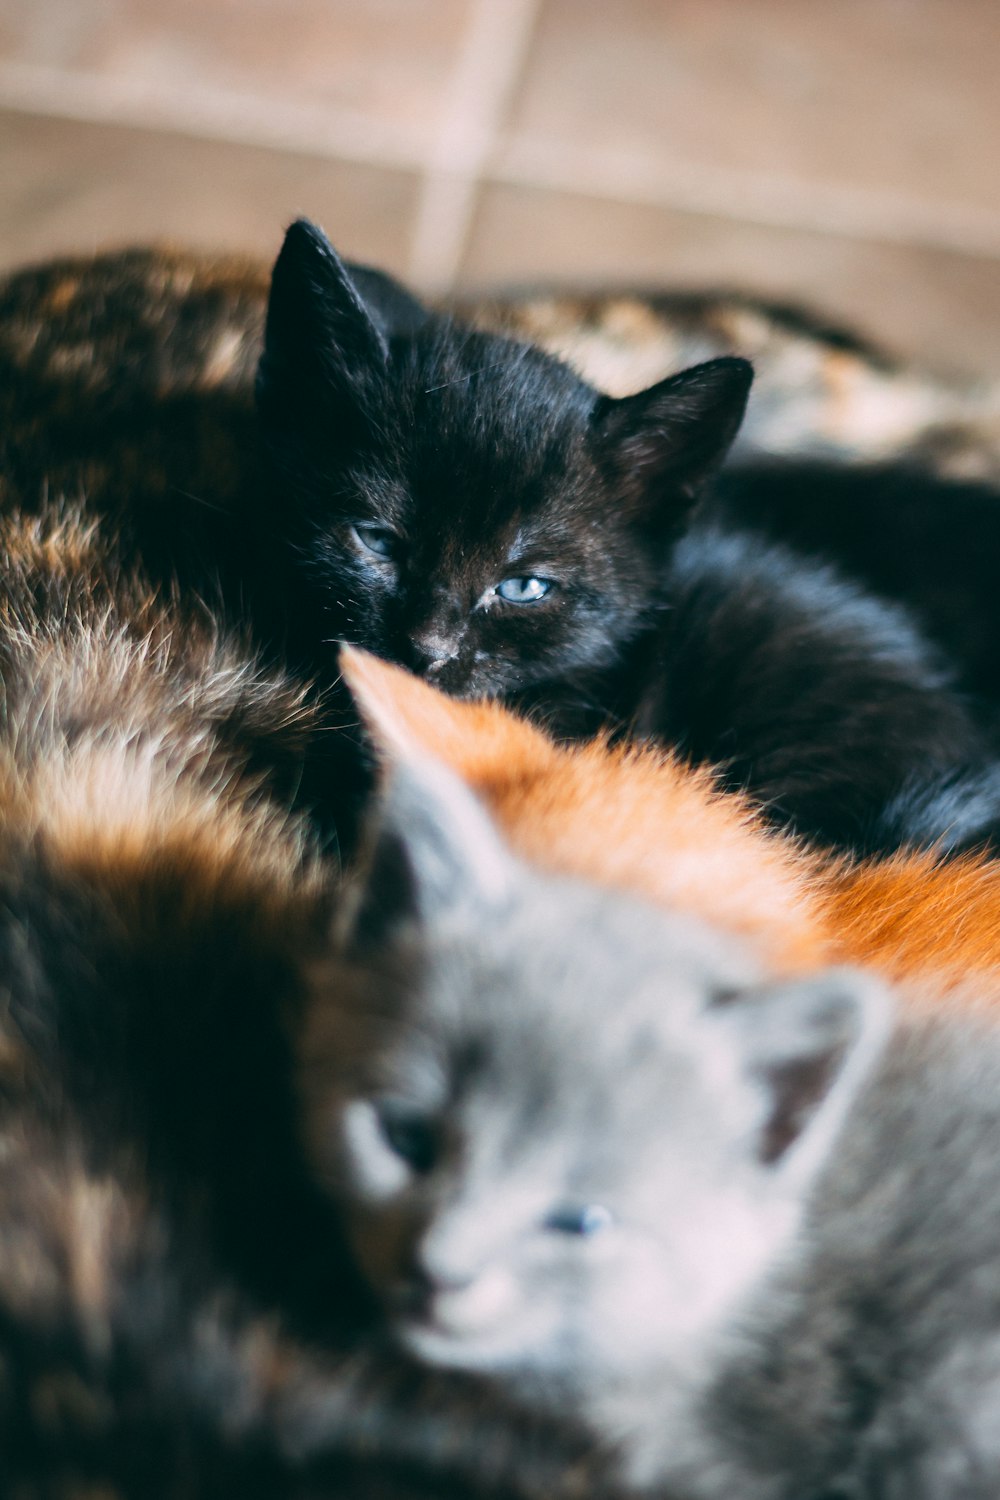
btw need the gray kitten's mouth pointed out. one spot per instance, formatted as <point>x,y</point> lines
<point>481,1326</point>
<point>434,1345</point>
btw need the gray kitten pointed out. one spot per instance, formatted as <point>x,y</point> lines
<point>747,1236</point>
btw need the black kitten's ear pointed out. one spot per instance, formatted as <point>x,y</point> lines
<point>671,436</point>
<point>320,334</point>
<point>432,849</point>
<point>807,1047</point>
<point>394,309</point>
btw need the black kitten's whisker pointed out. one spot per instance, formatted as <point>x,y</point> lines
<point>199,500</point>
<point>469,375</point>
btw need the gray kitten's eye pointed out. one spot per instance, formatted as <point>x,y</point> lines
<point>524,590</point>
<point>377,539</point>
<point>411,1136</point>
<point>582,1219</point>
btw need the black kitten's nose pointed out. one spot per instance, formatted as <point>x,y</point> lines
<point>430,653</point>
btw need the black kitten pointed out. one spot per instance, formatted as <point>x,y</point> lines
<point>932,544</point>
<point>463,503</point>
<point>466,505</point>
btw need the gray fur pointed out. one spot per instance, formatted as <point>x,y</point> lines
<point>793,1288</point>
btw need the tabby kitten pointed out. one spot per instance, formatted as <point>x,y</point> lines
<point>467,506</point>
<point>766,1267</point>
<point>157,882</point>
<point>179,1315</point>
<point>151,960</point>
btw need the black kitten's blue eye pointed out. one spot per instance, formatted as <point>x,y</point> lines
<point>377,539</point>
<point>524,590</point>
<point>411,1136</point>
<point>582,1219</point>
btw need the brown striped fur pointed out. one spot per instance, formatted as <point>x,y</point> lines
<point>126,384</point>
<point>162,909</point>
<point>132,723</point>
<point>146,842</point>
<point>152,865</point>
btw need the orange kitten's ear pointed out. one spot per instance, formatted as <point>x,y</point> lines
<point>408,718</point>
<point>404,715</point>
<point>808,1047</point>
<point>431,842</point>
<point>432,848</point>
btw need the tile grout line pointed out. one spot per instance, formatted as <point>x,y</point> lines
<point>493,52</point>
<point>449,195</point>
<point>758,198</point>
<point>238,119</point>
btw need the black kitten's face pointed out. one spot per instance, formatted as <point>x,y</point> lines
<point>464,504</point>
<point>471,536</point>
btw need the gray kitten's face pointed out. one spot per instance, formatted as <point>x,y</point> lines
<point>528,1187</point>
<point>569,1133</point>
<point>547,1157</point>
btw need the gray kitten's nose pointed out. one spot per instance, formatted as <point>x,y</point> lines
<point>423,1285</point>
<point>444,1260</point>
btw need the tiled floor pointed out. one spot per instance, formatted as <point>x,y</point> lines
<point>840,152</point>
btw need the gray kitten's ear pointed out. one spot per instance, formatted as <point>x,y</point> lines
<point>673,435</point>
<point>432,850</point>
<point>808,1047</point>
<point>320,337</point>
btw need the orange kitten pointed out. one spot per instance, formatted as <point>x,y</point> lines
<point>633,817</point>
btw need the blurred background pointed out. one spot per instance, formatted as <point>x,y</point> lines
<point>840,153</point>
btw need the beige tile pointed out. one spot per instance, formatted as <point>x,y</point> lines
<point>386,60</point>
<point>878,102</point>
<point>940,307</point>
<point>66,186</point>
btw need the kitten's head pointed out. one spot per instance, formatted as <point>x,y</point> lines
<point>629,817</point>
<point>463,503</point>
<point>568,1133</point>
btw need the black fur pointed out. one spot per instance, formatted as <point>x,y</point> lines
<point>470,460</point>
<point>470,453</point>
<point>817,695</point>
<point>929,543</point>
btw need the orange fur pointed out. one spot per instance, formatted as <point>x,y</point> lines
<point>914,916</point>
<point>640,819</point>
<point>628,817</point>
